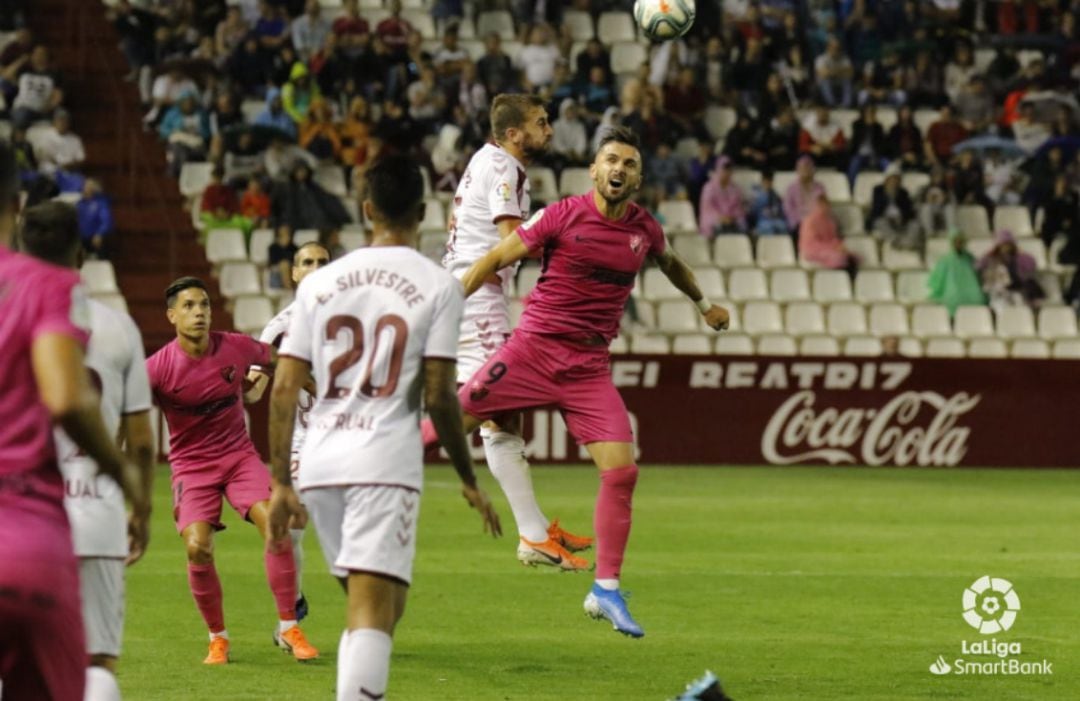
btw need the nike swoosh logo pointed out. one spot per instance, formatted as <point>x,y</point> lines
<point>555,559</point>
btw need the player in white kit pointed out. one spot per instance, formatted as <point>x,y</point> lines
<point>104,536</point>
<point>378,329</point>
<point>490,203</point>
<point>308,258</point>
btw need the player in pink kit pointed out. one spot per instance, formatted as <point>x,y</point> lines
<point>593,248</point>
<point>43,321</point>
<point>198,382</point>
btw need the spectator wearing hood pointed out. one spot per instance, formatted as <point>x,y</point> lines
<point>95,219</point>
<point>1008,274</point>
<point>186,128</point>
<point>570,141</point>
<point>279,159</point>
<point>319,133</point>
<point>820,241</point>
<point>954,281</point>
<point>892,213</point>
<point>298,94</point>
<point>301,203</point>
<point>722,208</point>
<point>275,115</point>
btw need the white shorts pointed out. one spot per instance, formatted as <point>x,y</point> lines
<point>101,583</point>
<point>485,326</point>
<point>366,528</point>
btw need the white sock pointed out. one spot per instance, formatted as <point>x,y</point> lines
<point>283,626</point>
<point>363,665</point>
<point>222,634</point>
<point>608,584</point>
<point>506,459</point>
<point>101,685</point>
<point>297,535</point>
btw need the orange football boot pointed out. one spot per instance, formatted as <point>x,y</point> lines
<point>219,651</point>
<point>573,543</point>
<point>551,553</point>
<point>293,641</point>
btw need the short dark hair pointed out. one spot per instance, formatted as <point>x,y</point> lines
<point>9,178</point>
<point>619,135</point>
<point>296,256</point>
<point>181,284</point>
<point>396,189</point>
<point>50,231</point>
<point>509,111</point>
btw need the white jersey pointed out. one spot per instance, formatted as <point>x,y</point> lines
<point>365,323</point>
<point>273,334</point>
<point>117,366</point>
<point>494,187</point>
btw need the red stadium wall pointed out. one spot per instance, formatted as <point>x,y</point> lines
<point>841,411</point>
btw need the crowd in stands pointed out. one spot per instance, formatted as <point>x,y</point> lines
<point>976,96</point>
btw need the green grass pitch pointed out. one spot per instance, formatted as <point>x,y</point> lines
<point>790,583</point>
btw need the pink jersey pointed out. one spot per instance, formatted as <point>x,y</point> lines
<point>202,398</point>
<point>589,267</point>
<point>35,299</point>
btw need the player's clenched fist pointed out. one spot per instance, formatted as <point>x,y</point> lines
<point>478,499</point>
<point>717,317</point>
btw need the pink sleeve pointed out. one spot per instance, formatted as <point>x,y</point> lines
<point>657,239</point>
<point>257,352</point>
<point>542,227</point>
<point>63,311</point>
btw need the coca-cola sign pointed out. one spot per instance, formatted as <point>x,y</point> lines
<point>693,410</point>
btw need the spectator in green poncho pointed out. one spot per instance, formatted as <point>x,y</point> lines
<point>954,281</point>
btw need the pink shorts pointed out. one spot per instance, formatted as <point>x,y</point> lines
<point>242,478</point>
<point>42,645</point>
<point>534,370</point>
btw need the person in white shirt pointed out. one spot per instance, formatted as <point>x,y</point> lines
<point>378,330</point>
<point>105,537</point>
<point>490,203</point>
<point>60,149</point>
<point>538,58</point>
<point>309,30</point>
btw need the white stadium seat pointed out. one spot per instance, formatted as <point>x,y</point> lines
<point>619,346</point>
<point>896,259</point>
<point>1030,348</point>
<point>252,313</point>
<point>862,346</point>
<point>832,286</point>
<point>260,246</point>
<point>971,219</point>
<point>1051,284</point>
<point>847,319</point>
<point>911,286</point>
<point>914,182</point>
<point>1057,322</point>
<point>745,178</point>
<point>849,217</point>
<point>935,249</point>
<point>745,284</point>
<point>929,320</point>
<point>225,246</point>
<point>500,22</point>
<point>888,319</point>
<point>527,278</point>
<point>777,344</point>
<point>1035,249</point>
<point>678,316</point>
<point>979,247</point>
<point>741,344</point>
<point>973,322</point>
<point>1067,348</point>
<point>864,187</point>
<point>543,185</point>
<point>819,345</point>
<point>692,344</point>
<point>99,277</point>
<point>627,56</point>
<point>945,347</point>
<point>776,252</point>
<point>732,251</point>
<point>579,24</point>
<point>332,179</point>
<point>874,286</point>
<point>719,121</point>
<point>650,345</point>
<point>574,181</point>
<point>434,216</point>
<point>836,185</point>
<point>790,285</point>
<point>804,318</point>
<point>304,236</point>
<point>236,279</point>
<point>693,249</point>
<point>194,177</point>
<point>1016,322</point>
<point>987,348</point>
<point>1015,218</point>
<point>678,215</point>
<point>711,283</point>
<point>656,287</point>
<point>911,347</point>
<point>782,180</point>
<point>762,318</point>
<point>866,248</point>
<point>352,240</point>
<point>615,26</point>
<point>421,21</point>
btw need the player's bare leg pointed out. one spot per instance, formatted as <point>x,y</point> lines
<point>618,476</point>
<point>206,587</point>
<point>281,575</point>
<point>376,603</point>
<point>101,679</point>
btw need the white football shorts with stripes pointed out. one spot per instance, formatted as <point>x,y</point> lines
<point>101,584</point>
<point>485,327</point>
<point>366,528</point>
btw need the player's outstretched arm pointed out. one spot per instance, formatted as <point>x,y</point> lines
<point>507,252</point>
<point>65,390</point>
<point>440,397</point>
<point>138,438</point>
<point>680,274</point>
<point>291,375</point>
<point>258,378</point>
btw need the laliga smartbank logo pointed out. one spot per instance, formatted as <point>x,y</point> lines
<point>990,606</point>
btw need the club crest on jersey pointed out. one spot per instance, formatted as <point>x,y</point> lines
<point>504,191</point>
<point>228,374</point>
<point>635,242</point>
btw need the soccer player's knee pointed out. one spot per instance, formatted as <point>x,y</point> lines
<point>200,551</point>
<point>104,661</point>
<point>622,476</point>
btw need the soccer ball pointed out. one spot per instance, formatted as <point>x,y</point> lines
<point>664,19</point>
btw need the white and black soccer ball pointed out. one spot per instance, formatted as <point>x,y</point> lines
<point>662,20</point>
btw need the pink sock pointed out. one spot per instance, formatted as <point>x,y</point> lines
<point>428,435</point>
<point>206,588</point>
<point>611,520</point>
<point>281,574</point>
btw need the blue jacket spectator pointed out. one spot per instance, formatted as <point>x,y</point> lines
<point>275,115</point>
<point>95,219</point>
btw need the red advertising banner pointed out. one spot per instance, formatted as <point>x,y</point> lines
<point>756,410</point>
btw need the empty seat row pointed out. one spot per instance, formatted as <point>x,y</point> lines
<point>228,245</point>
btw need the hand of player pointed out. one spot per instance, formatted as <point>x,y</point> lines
<point>479,500</point>
<point>717,317</point>
<point>131,484</point>
<point>284,504</point>
<point>138,537</point>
